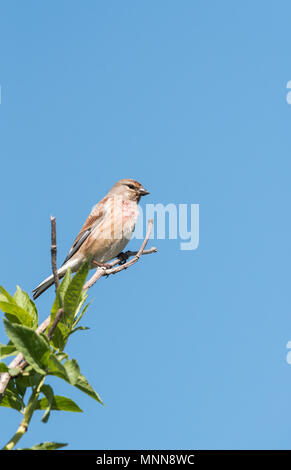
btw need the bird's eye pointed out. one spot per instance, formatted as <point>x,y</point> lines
<point>131,186</point>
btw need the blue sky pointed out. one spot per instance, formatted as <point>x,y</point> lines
<point>187,348</point>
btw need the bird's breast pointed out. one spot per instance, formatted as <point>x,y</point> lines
<point>129,211</point>
<point>114,232</point>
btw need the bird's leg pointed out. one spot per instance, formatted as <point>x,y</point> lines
<point>123,257</point>
<point>101,265</point>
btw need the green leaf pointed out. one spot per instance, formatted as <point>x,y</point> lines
<point>23,300</point>
<point>55,367</point>
<point>6,351</point>
<point>3,367</point>
<point>61,292</point>
<point>16,314</point>
<point>18,309</point>
<point>62,355</point>
<point>11,400</point>
<point>81,328</point>
<point>49,397</point>
<point>21,384</point>
<point>83,311</point>
<point>59,403</point>
<point>46,446</point>
<point>73,296</point>
<point>73,370</point>
<point>32,345</point>
<point>70,372</point>
<point>14,371</point>
<point>34,377</point>
<point>60,336</point>
<point>84,296</point>
<point>83,385</point>
<point>5,296</point>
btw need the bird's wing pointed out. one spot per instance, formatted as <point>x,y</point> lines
<point>95,217</point>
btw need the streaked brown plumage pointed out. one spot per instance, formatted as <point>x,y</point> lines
<point>106,231</point>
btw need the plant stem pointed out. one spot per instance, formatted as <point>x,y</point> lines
<point>28,412</point>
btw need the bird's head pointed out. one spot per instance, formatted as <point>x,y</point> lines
<point>129,189</point>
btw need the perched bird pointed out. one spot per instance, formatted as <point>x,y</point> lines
<point>106,231</point>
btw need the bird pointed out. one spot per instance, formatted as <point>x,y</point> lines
<point>106,231</point>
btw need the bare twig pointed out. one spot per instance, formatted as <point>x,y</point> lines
<point>54,251</point>
<point>115,267</point>
<point>55,322</point>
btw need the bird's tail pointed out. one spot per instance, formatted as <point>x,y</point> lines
<point>44,285</point>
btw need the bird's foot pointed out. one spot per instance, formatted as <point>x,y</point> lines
<point>123,257</point>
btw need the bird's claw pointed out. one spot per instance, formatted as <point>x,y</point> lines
<point>123,257</point>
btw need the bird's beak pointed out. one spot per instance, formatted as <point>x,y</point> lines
<point>143,192</point>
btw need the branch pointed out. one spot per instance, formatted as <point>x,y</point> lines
<point>115,267</point>
<point>55,322</point>
<point>54,252</point>
<point>103,271</point>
